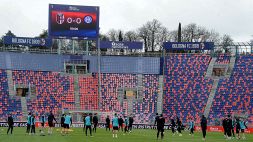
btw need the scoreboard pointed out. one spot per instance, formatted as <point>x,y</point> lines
<point>73,21</point>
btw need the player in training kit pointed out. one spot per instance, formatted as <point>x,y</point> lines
<point>32,124</point>
<point>203,126</point>
<point>84,116</point>
<point>191,126</point>
<point>42,121</point>
<point>107,121</point>
<point>243,126</point>
<point>126,124</point>
<point>95,122</point>
<point>67,123</point>
<point>62,123</point>
<point>160,126</point>
<point>179,126</point>
<point>121,122</point>
<point>173,125</point>
<point>233,127</point>
<point>224,125</point>
<point>28,127</point>
<point>115,125</point>
<point>88,124</point>
<point>237,127</point>
<point>131,121</point>
<point>10,124</point>
<point>229,127</point>
<point>50,120</point>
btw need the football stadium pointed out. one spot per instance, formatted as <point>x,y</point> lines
<point>75,85</point>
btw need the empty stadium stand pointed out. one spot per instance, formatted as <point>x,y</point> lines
<point>53,91</point>
<point>234,94</point>
<point>7,104</point>
<point>144,111</point>
<point>186,88</point>
<point>223,59</point>
<point>88,86</point>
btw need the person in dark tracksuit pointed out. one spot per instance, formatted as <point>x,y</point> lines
<point>107,121</point>
<point>237,127</point>
<point>10,124</point>
<point>62,123</point>
<point>131,121</point>
<point>95,122</point>
<point>50,120</point>
<point>179,126</point>
<point>203,126</point>
<point>229,127</point>
<point>173,125</point>
<point>84,116</point>
<point>224,125</point>
<point>233,127</point>
<point>160,126</point>
<point>121,122</point>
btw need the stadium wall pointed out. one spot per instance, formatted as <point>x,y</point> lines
<point>55,63</point>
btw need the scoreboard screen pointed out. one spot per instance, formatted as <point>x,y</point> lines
<point>73,21</point>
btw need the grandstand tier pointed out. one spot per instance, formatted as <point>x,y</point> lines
<point>186,88</point>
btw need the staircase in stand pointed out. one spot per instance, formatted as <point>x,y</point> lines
<point>211,96</point>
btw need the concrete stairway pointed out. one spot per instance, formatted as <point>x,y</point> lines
<point>140,86</point>
<point>230,67</point>
<point>76,92</point>
<point>210,67</point>
<point>24,107</point>
<point>211,96</point>
<point>160,96</point>
<point>11,88</point>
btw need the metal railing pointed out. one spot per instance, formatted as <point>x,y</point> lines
<point>95,53</point>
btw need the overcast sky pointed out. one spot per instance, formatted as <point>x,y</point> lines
<point>28,18</point>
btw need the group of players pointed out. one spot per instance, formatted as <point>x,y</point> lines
<point>229,124</point>
<point>66,121</point>
<point>237,123</point>
<point>178,126</point>
<point>125,124</point>
<point>30,129</point>
<point>117,123</point>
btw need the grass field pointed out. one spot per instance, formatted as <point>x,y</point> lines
<point>102,136</point>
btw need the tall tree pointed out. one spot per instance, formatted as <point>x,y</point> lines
<point>130,36</point>
<point>162,37</point>
<point>9,33</point>
<point>226,42</point>
<point>154,27</point>
<point>1,42</point>
<point>120,36</point>
<point>179,33</point>
<point>194,33</point>
<point>103,37</point>
<point>151,32</point>
<point>112,34</point>
<point>44,34</point>
<point>144,34</point>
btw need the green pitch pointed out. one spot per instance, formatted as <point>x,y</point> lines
<point>102,136</point>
